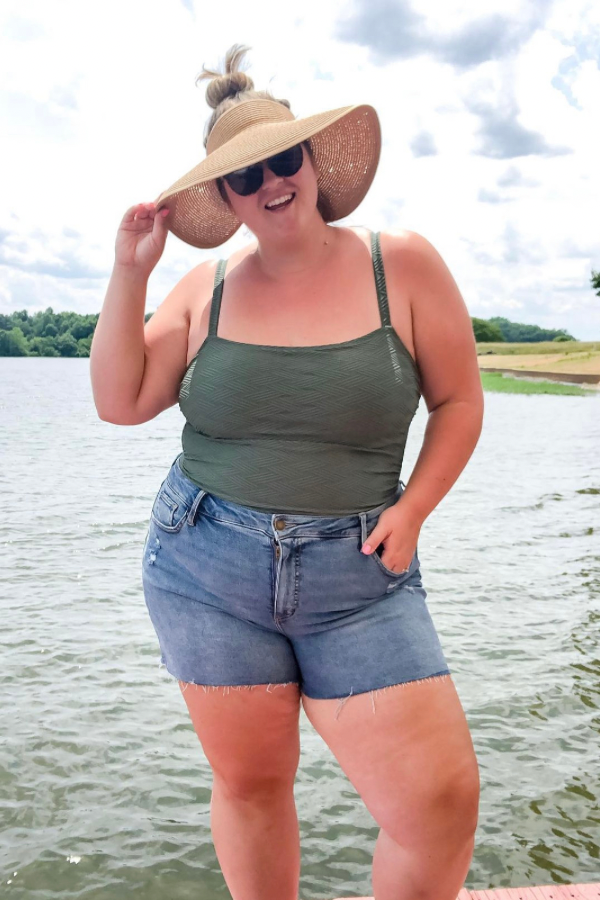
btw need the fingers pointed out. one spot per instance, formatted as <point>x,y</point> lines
<point>159,223</point>
<point>373,541</point>
<point>143,211</point>
<point>134,212</point>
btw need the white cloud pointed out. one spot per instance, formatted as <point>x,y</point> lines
<point>100,111</point>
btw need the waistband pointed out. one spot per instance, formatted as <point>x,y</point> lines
<point>281,525</point>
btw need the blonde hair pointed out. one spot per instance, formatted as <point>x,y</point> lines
<point>233,86</point>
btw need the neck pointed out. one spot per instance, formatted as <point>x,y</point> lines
<point>297,256</point>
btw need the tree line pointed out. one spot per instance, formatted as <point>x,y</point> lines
<point>48,333</point>
<point>70,334</point>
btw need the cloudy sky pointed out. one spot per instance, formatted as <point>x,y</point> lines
<point>488,113</point>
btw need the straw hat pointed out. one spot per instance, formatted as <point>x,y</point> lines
<point>346,145</point>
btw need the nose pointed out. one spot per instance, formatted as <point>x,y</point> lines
<point>271,183</point>
<point>269,176</point>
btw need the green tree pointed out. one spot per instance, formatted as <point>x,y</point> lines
<point>485,331</point>
<point>521,332</point>
<point>66,345</point>
<point>41,346</point>
<point>84,327</point>
<point>13,343</point>
<point>84,346</point>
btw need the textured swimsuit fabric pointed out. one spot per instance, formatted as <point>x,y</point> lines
<point>301,430</point>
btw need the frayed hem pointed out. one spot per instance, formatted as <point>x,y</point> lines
<point>184,685</point>
<point>226,688</point>
<point>440,676</point>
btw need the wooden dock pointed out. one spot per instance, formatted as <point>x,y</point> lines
<point>543,892</point>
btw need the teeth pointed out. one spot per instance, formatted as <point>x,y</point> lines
<point>279,200</point>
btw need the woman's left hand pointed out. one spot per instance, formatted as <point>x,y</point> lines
<point>399,534</point>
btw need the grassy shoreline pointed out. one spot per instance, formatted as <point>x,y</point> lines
<point>564,358</point>
<point>505,384</point>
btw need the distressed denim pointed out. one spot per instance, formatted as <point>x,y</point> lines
<point>239,597</point>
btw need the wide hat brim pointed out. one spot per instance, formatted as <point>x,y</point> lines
<point>346,145</point>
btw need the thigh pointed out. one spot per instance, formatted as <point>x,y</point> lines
<point>250,735</point>
<point>408,756</point>
<point>208,589</point>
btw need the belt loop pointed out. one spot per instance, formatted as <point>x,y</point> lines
<point>191,518</point>
<point>363,527</point>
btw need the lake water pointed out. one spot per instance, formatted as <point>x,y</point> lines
<point>104,788</point>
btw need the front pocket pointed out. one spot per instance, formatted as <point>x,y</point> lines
<point>170,509</point>
<point>399,576</point>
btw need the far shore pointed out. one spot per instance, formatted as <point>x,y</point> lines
<point>578,362</point>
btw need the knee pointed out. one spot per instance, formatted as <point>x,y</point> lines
<point>456,801</point>
<point>443,814</point>
<point>246,787</point>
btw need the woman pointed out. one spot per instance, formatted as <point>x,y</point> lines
<point>298,364</point>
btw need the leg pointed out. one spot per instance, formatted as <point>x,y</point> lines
<point>414,765</point>
<point>251,738</point>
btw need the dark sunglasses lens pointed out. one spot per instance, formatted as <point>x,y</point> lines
<point>245,181</point>
<point>248,180</point>
<point>287,162</point>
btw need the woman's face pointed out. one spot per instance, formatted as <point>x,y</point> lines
<point>289,221</point>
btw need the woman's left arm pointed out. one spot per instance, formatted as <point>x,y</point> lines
<point>446,354</point>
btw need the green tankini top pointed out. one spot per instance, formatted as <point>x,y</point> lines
<point>317,430</point>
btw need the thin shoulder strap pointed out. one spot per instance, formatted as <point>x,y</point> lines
<point>215,301</point>
<point>382,297</point>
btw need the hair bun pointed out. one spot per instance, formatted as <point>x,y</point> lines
<point>227,86</point>
<point>230,82</point>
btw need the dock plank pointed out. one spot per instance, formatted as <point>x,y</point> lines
<point>589,891</point>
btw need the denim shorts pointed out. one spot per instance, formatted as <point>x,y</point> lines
<point>242,597</point>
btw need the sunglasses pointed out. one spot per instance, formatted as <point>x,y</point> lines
<point>248,180</point>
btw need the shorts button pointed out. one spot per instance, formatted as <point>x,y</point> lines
<point>279,524</point>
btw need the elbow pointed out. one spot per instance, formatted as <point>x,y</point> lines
<point>472,405</point>
<point>114,417</point>
<point>477,408</point>
<point>476,405</point>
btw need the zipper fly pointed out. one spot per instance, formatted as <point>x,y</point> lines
<point>276,591</point>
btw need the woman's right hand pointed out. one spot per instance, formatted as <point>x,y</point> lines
<point>141,237</point>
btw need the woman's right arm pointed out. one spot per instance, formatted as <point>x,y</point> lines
<point>118,351</point>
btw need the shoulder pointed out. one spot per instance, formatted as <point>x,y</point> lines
<point>398,245</point>
<point>413,259</point>
<point>193,287</point>
<point>198,284</point>
<point>199,275</point>
<point>444,340</point>
<point>409,247</point>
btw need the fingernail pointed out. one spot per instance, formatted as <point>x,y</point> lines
<point>366,548</point>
